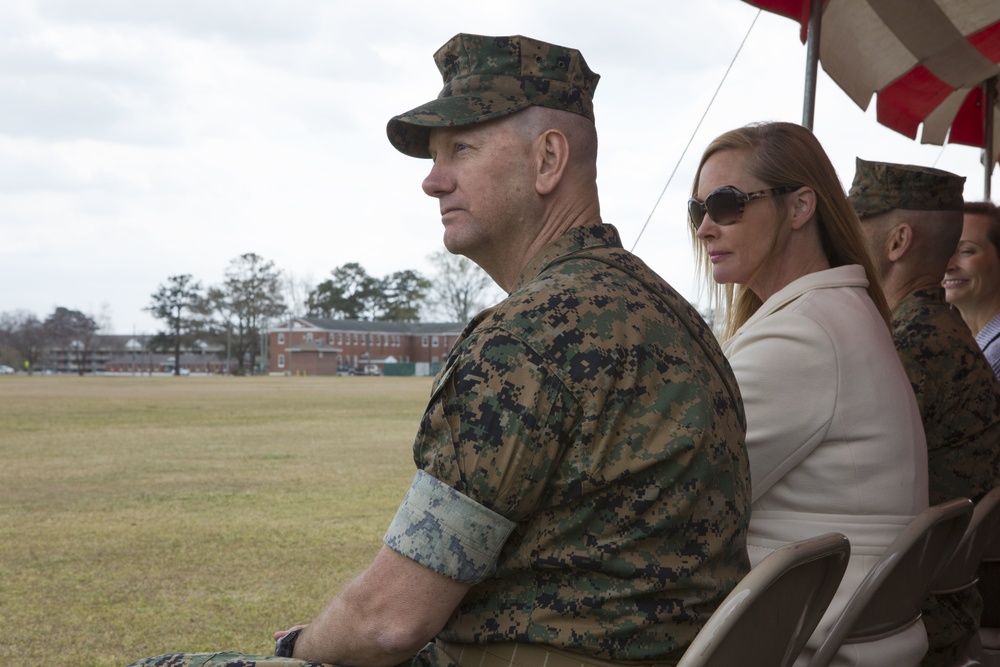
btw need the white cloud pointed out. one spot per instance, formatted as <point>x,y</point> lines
<point>140,140</point>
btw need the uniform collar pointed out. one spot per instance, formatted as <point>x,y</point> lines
<point>927,295</point>
<point>576,239</point>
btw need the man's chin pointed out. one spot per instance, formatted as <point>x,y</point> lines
<point>455,244</point>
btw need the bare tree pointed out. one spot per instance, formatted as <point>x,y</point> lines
<point>248,298</point>
<point>460,288</point>
<point>73,331</point>
<point>182,307</point>
<point>22,334</point>
<point>296,293</point>
<point>103,319</point>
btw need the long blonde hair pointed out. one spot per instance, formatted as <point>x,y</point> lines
<point>781,154</point>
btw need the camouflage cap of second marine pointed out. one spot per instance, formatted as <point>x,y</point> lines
<point>882,186</point>
<point>490,77</point>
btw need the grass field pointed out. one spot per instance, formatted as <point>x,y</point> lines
<point>140,516</point>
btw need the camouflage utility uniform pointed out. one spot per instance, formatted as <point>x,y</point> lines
<point>959,400</point>
<point>594,411</point>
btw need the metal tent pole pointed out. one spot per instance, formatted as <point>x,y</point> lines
<point>812,62</point>
<point>989,157</point>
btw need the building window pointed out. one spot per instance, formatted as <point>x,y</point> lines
<point>434,341</point>
<point>281,339</point>
<point>354,339</point>
<point>340,339</point>
<point>331,339</point>
<point>309,337</point>
<point>281,361</point>
<point>423,341</point>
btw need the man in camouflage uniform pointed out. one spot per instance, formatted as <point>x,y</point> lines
<point>582,491</point>
<point>912,217</point>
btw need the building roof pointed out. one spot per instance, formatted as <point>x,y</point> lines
<point>408,328</point>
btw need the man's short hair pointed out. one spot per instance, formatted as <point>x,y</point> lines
<point>490,77</point>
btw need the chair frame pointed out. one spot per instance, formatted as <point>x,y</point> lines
<point>961,572</point>
<point>926,544</point>
<point>979,545</point>
<point>786,593</point>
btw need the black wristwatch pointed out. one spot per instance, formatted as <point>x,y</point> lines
<point>284,647</point>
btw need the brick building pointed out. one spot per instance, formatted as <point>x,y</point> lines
<point>318,346</point>
<point>110,353</point>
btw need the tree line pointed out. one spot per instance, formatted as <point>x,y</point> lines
<point>252,296</point>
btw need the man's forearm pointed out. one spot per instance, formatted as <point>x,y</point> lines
<point>383,617</point>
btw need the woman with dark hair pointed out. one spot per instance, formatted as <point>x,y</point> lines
<point>834,435</point>
<point>972,281</point>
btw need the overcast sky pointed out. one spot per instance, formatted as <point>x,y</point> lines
<point>141,140</point>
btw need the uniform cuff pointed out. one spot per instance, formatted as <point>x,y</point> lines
<point>447,531</point>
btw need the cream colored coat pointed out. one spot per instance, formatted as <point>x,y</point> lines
<point>833,434</point>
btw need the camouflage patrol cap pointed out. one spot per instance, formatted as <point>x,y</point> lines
<point>490,77</point>
<point>881,186</point>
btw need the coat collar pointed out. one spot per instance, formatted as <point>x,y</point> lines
<point>849,275</point>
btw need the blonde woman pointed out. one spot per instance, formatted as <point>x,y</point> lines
<point>833,432</point>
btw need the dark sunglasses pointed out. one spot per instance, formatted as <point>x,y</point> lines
<point>725,205</point>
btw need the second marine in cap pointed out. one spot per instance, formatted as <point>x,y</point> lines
<point>912,218</point>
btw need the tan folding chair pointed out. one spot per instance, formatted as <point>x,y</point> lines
<point>989,635</point>
<point>775,608</point>
<point>890,596</point>
<point>962,571</point>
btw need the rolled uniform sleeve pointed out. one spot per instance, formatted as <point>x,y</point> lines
<point>447,532</point>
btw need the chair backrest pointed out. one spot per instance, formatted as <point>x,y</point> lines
<point>775,608</point>
<point>961,571</point>
<point>992,553</point>
<point>890,596</point>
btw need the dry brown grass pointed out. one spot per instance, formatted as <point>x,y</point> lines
<point>141,516</point>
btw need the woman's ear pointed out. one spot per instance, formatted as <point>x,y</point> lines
<point>552,158</point>
<point>803,206</point>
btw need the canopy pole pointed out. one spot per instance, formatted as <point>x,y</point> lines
<point>989,157</point>
<point>812,63</point>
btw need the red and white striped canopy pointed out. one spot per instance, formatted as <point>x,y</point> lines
<point>927,60</point>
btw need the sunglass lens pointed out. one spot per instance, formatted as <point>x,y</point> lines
<point>723,206</point>
<point>696,212</point>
